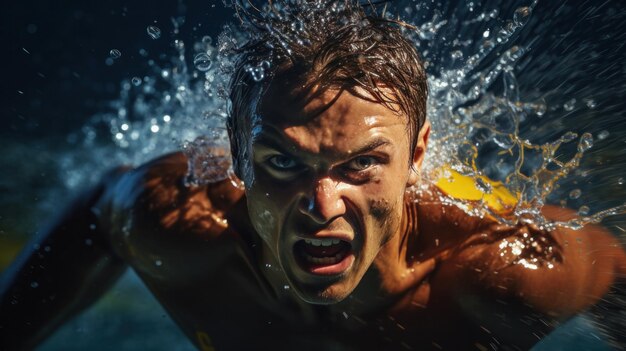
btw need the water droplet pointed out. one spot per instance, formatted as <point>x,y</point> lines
<point>207,40</point>
<point>92,226</point>
<point>154,129</point>
<point>136,81</point>
<point>202,62</point>
<point>154,32</point>
<point>620,181</point>
<point>521,15</point>
<point>88,242</point>
<point>297,26</point>
<point>569,105</point>
<point>540,109</point>
<point>575,194</point>
<point>486,34</point>
<point>47,249</point>
<point>569,136</point>
<point>179,44</point>
<point>286,287</point>
<point>603,135</point>
<point>115,54</point>
<point>586,142</point>
<point>158,263</point>
<point>583,210</point>
<point>483,186</point>
<point>590,103</point>
<point>456,54</point>
<point>257,73</point>
<point>34,284</point>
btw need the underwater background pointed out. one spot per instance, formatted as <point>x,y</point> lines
<point>69,67</point>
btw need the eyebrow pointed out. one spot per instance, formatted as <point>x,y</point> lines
<point>268,138</point>
<point>372,145</point>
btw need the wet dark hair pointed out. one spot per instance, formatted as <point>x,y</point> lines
<point>337,44</point>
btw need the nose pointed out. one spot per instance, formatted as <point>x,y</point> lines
<point>324,203</point>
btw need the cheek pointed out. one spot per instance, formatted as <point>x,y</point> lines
<point>262,214</point>
<point>385,207</point>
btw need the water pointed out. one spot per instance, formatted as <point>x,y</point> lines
<point>504,103</point>
<point>154,32</point>
<point>479,115</point>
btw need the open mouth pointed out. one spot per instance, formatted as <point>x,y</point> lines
<point>328,256</point>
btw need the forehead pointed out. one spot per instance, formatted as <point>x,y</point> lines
<point>333,118</point>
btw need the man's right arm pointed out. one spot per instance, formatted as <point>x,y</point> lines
<point>68,266</point>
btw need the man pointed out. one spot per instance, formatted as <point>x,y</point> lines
<point>326,247</point>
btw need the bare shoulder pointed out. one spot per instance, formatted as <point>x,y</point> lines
<point>151,214</point>
<point>558,272</point>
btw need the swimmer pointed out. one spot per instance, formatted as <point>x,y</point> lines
<point>326,247</point>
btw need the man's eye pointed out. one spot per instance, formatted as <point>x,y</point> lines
<point>361,163</point>
<point>282,162</point>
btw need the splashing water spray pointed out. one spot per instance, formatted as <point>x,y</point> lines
<point>475,108</point>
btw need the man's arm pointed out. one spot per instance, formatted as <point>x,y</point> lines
<point>558,273</point>
<point>63,270</point>
<point>522,278</point>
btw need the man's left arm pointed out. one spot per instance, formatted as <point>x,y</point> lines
<point>557,273</point>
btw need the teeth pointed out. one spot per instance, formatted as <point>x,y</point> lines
<point>323,260</point>
<point>322,242</point>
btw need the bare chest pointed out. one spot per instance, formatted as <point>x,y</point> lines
<point>220,299</point>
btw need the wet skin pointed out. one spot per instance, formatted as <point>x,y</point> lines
<point>230,268</point>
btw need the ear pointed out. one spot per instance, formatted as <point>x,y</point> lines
<point>418,156</point>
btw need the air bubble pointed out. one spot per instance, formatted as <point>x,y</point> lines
<point>569,105</point>
<point>603,135</point>
<point>583,210</point>
<point>202,62</point>
<point>136,81</point>
<point>158,263</point>
<point>154,32</point>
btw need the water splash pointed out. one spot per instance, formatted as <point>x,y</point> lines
<point>480,116</point>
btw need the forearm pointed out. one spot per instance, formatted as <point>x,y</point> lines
<point>64,269</point>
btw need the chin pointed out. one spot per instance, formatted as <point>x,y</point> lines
<point>329,295</point>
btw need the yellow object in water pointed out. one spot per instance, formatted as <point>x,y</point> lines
<point>463,187</point>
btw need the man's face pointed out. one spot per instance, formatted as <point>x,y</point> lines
<point>329,173</point>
